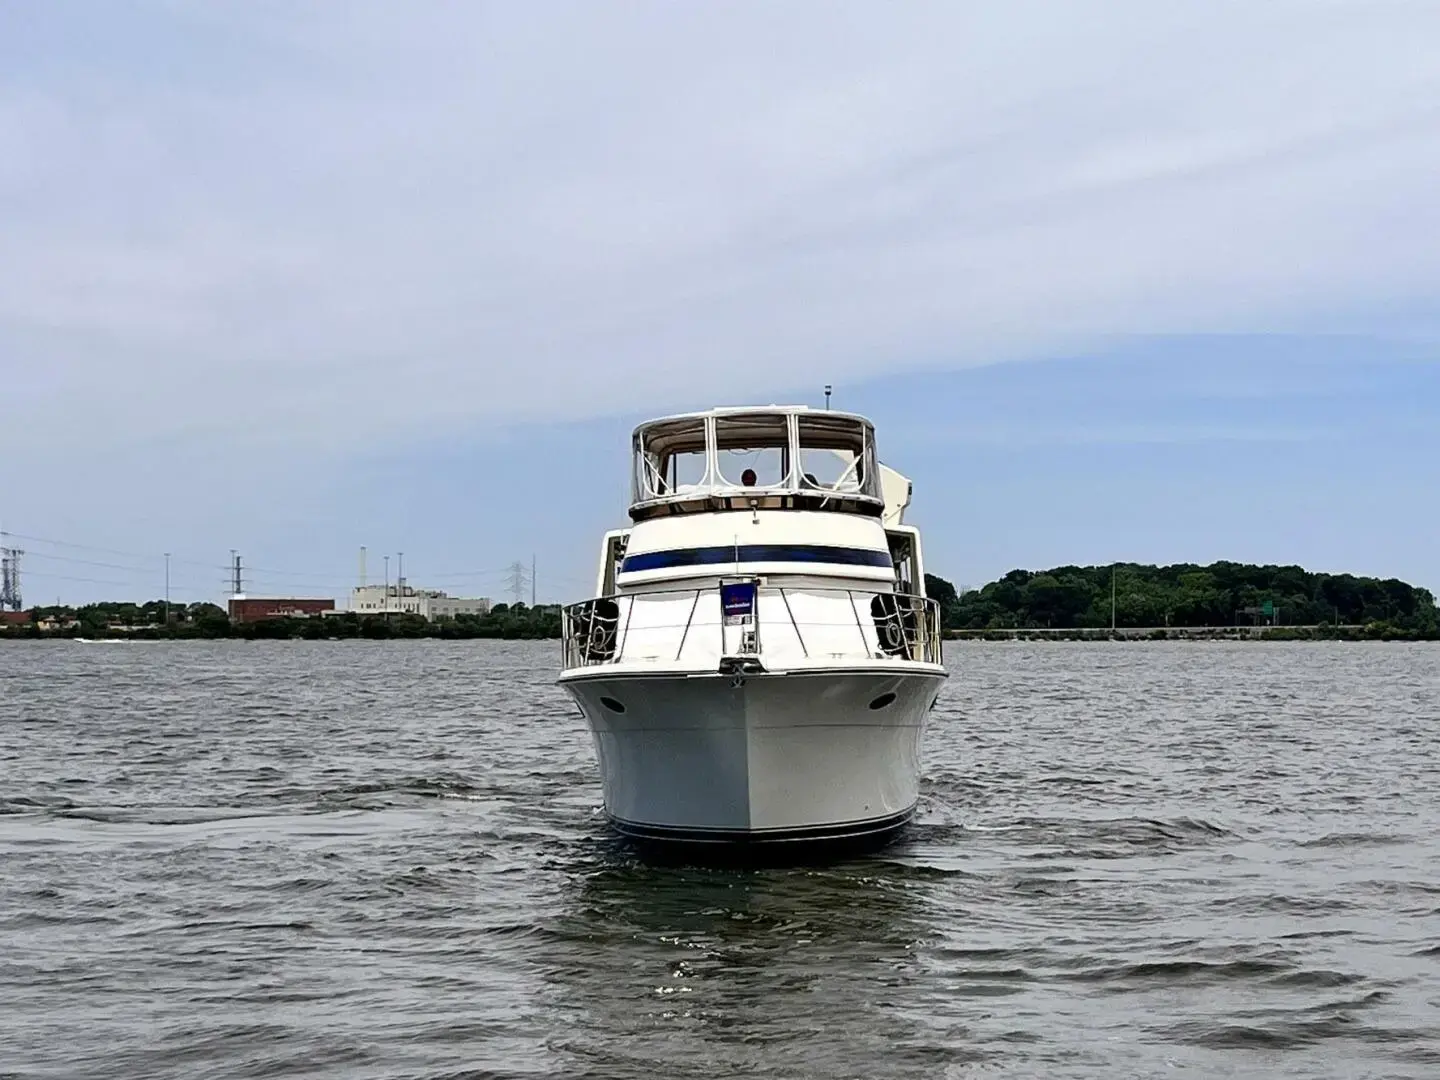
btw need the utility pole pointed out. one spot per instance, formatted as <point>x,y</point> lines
<point>237,576</point>
<point>400,576</point>
<point>167,588</point>
<point>387,586</point>
<point>1112,598</point>
<point>532,580</point>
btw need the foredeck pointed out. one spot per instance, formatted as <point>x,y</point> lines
<point>744,622</point>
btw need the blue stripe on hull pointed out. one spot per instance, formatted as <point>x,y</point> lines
<point>755,553</point>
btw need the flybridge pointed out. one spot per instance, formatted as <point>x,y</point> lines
<point>760,458</point>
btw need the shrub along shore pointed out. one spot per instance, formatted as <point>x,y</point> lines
<point>1188,602</point>
<point>1375,631</point>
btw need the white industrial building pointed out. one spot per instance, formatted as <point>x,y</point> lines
<point>431,604</point>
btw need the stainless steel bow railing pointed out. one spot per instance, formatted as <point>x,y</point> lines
<point>901,626</point>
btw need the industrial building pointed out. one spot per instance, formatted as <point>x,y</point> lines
<point>245,609</point>
<point>401,599</point>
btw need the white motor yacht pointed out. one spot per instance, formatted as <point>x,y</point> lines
<point>760,658</point>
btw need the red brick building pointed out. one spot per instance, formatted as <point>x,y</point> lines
<point>14,618</point>
<point>245,609</point>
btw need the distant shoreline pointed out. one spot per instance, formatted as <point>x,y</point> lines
<point>1322,632</point>
<point>1225,601</point>
<point>1141,635</point>
<point>156,634</point>
<point>207,622</point>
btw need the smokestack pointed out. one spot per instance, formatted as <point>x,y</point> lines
<point>362,566</point>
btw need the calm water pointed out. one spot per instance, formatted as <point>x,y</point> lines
<point>367,860</point>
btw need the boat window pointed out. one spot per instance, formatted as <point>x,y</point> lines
<point>670,459</point>
<point>754,450</point>
<point>837,454</point>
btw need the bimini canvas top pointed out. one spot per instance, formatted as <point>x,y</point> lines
<point>733,410</point>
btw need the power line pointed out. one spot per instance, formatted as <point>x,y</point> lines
<point>136,584</point>
<point>157,559</point>
<point>103,550</point>
<point>265,571</point>
<point>271,583</point>
<point>90,581</point>
<point>150,569</point>
<point>469,574</point>
<point>88,562</point>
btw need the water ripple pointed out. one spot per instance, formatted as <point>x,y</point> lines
<point>384,860</point>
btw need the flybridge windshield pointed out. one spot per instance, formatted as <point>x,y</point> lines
<point>670,459</point>
<point>753,451</point>
<point>766,452</point>
<point>833,458</point>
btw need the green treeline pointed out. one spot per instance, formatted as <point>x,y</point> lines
<point>207,621</point>
<point>1184,595</point>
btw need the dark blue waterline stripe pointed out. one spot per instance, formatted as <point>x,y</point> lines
<point>753,553</point>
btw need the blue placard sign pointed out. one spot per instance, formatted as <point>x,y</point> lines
<point>737,601</point>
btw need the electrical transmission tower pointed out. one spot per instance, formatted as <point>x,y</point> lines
<point>10,599</point>
<point>518,581</point>
<point>237,575</point>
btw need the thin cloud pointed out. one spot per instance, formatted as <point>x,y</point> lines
<point>437,214</point>
<point>1018,437</point>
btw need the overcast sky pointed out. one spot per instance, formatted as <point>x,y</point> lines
<point>267,269</point>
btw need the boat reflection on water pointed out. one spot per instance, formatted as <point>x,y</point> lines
<point>800,972</point>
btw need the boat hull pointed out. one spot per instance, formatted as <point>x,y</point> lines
<point>821,760</point>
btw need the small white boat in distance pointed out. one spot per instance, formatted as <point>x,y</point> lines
<point>760,659</point>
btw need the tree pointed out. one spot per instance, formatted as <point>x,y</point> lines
<point>937,588</point>
<point>1185,595</point>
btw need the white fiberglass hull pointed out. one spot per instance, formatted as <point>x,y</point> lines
<point>830,755</point>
